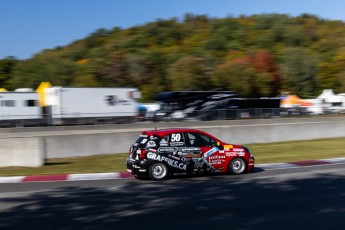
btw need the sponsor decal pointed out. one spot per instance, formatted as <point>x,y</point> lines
<point>240,154</point>
<point>233,154</point>
<point>227,147</point>
<point>153,150</point>
<point>230,154</point>
<point>237,150</point>
<point>143,141</point>
<point>190,149</point>
<point>215,162</point>
<point>167,150</point>
<point>114,100</point>
<point>163,142</point>
<point>151,144</point>
<point>175,137</point>
<point>171,162</point>
<point>179,174</point>
<point>188,155</point>
<point>153,138</point>
<point>174,157</point>
<point>210,152</point>
<point>176,143</point>
<point>221,151</point>
<point>217,157</point>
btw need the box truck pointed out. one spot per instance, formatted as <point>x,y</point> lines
<point>91,105</point>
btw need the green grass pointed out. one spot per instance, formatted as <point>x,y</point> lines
<point>264,153</point>
<point>298,150</point>
<point>89,164</point>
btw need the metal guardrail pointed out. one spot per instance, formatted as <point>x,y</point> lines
<point>236,114</point>
<point>107,118</point>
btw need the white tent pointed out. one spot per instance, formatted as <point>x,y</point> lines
<point>326,94</point>
<point>337,102</point>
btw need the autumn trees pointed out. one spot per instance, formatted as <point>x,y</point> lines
<point>256,56</point>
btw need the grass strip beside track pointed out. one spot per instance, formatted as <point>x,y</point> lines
<point>264,153</point>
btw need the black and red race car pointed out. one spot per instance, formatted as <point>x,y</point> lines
<point>180,151</point>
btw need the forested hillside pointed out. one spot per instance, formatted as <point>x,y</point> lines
<point>259,55</point>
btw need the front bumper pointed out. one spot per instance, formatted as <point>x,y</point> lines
<point>251,163</point>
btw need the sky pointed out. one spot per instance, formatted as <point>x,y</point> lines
<point>29,26</point>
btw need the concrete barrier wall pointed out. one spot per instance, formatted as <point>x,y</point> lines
<point>31,151</point>
<point>278,132</point>
<point>22,152</point>
<point>110,143</point>
<point>89,144</point>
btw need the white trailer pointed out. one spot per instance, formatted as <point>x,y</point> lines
<point>315,106</point>
<point>19,108</point>
<point>91,105</point>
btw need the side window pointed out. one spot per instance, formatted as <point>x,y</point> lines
<point>200,140</point>
<point>30,103</point>
<point>153,141</point>
<point>165,141</point>
<point>8,103</point>
<point>174,139</point>
<point>206,141</point>
<point>190,139</point>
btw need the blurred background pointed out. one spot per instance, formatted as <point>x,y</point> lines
<point>298,60</point>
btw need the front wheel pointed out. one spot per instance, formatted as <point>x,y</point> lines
<point>237,166</point>
<point>158,171</point>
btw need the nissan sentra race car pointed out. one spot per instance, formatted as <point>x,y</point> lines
<point>158,154</point>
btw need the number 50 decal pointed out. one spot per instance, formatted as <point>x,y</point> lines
<point>175,137</point>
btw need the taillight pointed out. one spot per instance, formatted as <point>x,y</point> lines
<point>143,154</point>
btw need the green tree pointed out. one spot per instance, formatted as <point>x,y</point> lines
<point>236,77</point>
<point>190,73</point>
<point>299,70</point>
<point>268,80</point>
<point>31,72</point>
<point>255,75</point>
<point>329,75</point>
<point>114,73</point>
<point>7,66</point>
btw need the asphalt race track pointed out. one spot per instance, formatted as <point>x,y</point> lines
<point>295,198</point>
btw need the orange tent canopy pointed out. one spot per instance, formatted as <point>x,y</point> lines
<point>290,101</point>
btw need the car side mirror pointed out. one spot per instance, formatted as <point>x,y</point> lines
<point>220,146</point>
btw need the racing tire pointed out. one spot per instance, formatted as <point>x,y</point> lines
<point>237,166</point>
<point>158,171</point>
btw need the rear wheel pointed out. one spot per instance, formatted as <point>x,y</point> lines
<point>158,171</point>
<point>237,166</point>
